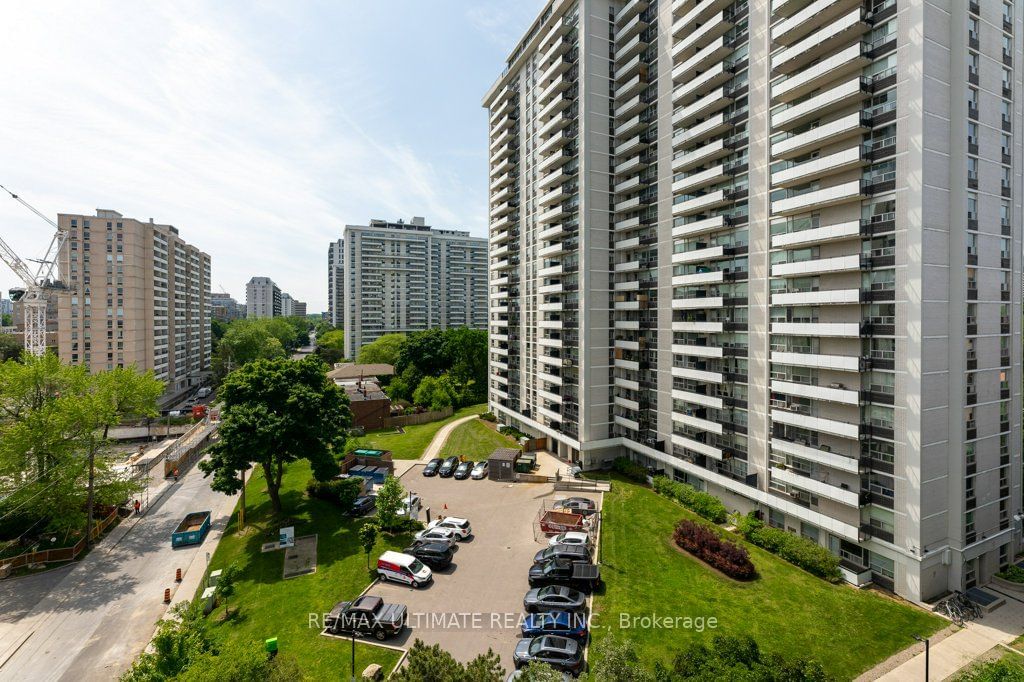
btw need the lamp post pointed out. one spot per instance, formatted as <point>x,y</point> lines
<point>353,655</point>
<point>925,640</point>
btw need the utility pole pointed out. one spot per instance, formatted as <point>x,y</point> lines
<point>241,506</point>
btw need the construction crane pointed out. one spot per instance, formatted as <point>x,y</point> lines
<point>32,295</point>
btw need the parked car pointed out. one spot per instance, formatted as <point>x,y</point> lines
<point>553,598</point>
<point>580,575</point>
<point>480,470</point>
<point>363,505</point>
<point>403,568</point>
<point>457,525</point>
<point>447,469</point>
<point>570,538</point>
<point>577,505</point>
<point>462,471</point>
<point>410,501</point>
<point>561,653</point>
<point>561,623</point>
<point>432,466</point>
<point>436,555</point>
<point>445,535</point>
<point>574,552</point>
<point>367,615</point>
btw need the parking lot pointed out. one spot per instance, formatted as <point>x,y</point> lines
<point>478,601</point>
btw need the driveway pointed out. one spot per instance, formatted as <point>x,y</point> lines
<point>89,621</point>
<point>476,604</point>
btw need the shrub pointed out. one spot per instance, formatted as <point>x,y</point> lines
<point>341,492</point>
<point>629,469</point>
<point>488,417</point>
<point>797,550</point>
<point>707,545</point>
<point>701,503</point>
<point>1014,574</point>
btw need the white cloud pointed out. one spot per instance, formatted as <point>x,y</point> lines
<point>173,112</point>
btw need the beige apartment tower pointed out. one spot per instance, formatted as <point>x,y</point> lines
<point>138,295</point>
<point>773,249</point>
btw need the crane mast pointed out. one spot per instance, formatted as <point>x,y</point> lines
<point>32,295</point>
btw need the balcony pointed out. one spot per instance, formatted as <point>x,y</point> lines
<point>832,394</point>
<point>818,454</point>
<point>699,352</point>
<point>698,227</point>
<point>827,196</point>
<point>817,235</point>
<point>829,297</point>
<point>817,266</point>
<point>699,255</point>
<point>697,446</point>
<point>698,303</point>
<point>629,11</point>
<point>697,398</point>
<point>700,180</point>
<point>842,30</point>
<point>824,329</point>
<point>845,496</point>
<point>700,37</point>
<point>710,277</point>
<point>715,51</point>
<point>694,12</point>
<point>631,47</point>
<point>702,131</point>
<point>701,155</point>
<point>687,420</point>
<point>850,126</point>
<point>698,327</point>
<point>701,108</point>
<point>821,167</point>
<point>810,18</point>
<point>842,95</point>
<point>830,426</point>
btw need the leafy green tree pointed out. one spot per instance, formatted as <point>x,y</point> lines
<point>6,320</point>
<point>330,346</point>
<point>300,326</point>
<point>226,585</point>
<point>10,347</point>
<point>243,342</point>
<point>426,351</point>
<point>368,539</point>
<point>242,664</point>
<point>390,498</point>
<point>539,672</point>
<point>618,661</point>
<point>434,664</point>
<point>466,351</point>
<point>217,330</point>
<point>387,349</point>
<point>276,412</point>
<point>281,329</point>
<point>179,641</point>
<point>435,393</point>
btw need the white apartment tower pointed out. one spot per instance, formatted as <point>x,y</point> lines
<point>335,284</point>
<point>262,298</point>
<point>402,277</point>
<point>773,249</point>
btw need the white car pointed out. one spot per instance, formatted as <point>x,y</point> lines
<point>480,470</point>
<point>570,538</point>
<point>445,535</point>
<point>457,525</point>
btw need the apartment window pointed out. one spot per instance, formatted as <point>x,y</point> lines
<point>1006,142</point>
<point>973,28</point>
<point>972,169</point>
<point>972,102</point>
<point>1007,82</point>
<point>1007,46</point>
<point>972,244</point>
<point>972,65</point>
<point>972,133</point>
<point>972,206</point>
<point>1007,110</point>
<point>1004,214</point>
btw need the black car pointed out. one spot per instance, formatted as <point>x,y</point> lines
<point>363,505</point>
<point>447,470</point>
<point>436,555</point>
<point>560,653</point>
<point>574,552</point>
<point>366,615</point>
<point>462,471</point>
<point>432,467</point>
<point>577,505</point>
<point>580,575</point>
<point>554,598</point>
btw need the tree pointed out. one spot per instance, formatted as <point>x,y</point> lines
<point>244,342</point>
<point>276,412</point>
<point>390,498</point>
<point>740,657</point>
<point>434,664</point>
<point>226,585</point>
<point>242,663</point>
<point>6,320</point>
<point>424,350</point>
<point>386,350</point>
<point>217,330</point>
<point>179,641</point>
<point>466,351</point>
<point>330,346</point>
<point>10,347</point>
<point>618,661</point>
<point>368,538</point>
<point>539,672</point>
<point>435,393</point>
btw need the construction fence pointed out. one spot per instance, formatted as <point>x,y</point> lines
<point>48,556</point>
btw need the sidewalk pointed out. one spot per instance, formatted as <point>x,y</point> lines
<point>1002,626</point>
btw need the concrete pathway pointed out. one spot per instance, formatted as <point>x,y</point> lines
<point>103,611</point>
<point>441,436</point>
<point>961,648</point>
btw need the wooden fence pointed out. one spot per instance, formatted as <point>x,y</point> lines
<point>47,556</point>
<point>421,418</point>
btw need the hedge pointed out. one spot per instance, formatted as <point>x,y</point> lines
<point>707,545</point>
<point>701,503</point>
<point>1013,573</point>
<point>339,491</point>
<point>795,549</point>
<point>630,469</point>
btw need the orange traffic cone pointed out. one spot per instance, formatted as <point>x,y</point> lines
<point>446,507</point>
<point>177,575</point>
<point>167,596</point>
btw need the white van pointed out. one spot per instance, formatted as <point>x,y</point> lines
<point>204,392</point>
<point>403,568</point>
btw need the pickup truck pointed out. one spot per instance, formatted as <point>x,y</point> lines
<point>366,615</point>
<point>579,575</point>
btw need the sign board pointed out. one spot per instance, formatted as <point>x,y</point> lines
<point>287,537</point>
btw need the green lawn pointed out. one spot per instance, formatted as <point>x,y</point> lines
<point>786,609</point>
<point>269,606</point>
<point>476,440</point>
<point>412,443</point>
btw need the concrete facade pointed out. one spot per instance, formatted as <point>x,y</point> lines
<point>138,294</point>
<point>335,283</point>
<point>775,253</point>
<point>262,298</point>
<point>403,277</point>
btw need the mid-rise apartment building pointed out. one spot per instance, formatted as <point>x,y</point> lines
<point>402,277</point>
<point>262,298</point>
<point>138,294</point>
<point>773,249</point>
<point>335,282</point>
<point>225,308</point>
<point>287,304</point>
<point>298,308</point>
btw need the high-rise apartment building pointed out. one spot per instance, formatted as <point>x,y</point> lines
<point>225,308</point>
<point>287,304</point>
<point>138,294</point>
<point>335,283</point>
<point>298,308</point>
<point>405,277</point>
<point>773,249</point>
<point>262,298</point>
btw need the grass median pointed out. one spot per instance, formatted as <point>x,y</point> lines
<point>476,440</point>
<point>416,438</point>
<point>787,610</point>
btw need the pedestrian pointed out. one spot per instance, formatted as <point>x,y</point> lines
<point>175,474</point>
<point>138,507</point>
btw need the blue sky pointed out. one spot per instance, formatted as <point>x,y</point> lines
<point>257,128</point>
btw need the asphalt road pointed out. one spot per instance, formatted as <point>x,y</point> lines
<point>88,622</point>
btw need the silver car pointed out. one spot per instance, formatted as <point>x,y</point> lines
<point>480,470</point>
